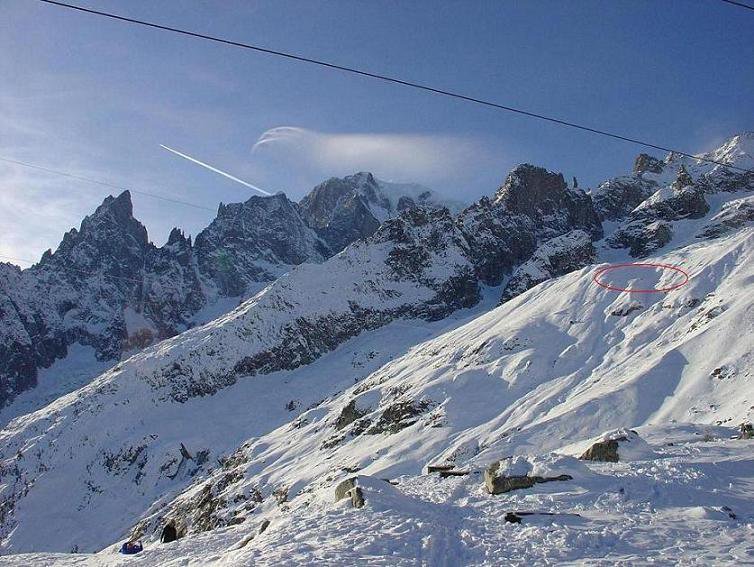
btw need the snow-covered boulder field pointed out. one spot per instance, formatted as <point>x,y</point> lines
<point>690,504</point>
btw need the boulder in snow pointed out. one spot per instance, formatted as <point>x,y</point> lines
<point>349,489</point>
<point>356,488</point>
<point>621,444</point>
<point>526,471</point>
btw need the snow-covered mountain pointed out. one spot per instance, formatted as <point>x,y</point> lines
<point>552,368</point>
<point>344,210</point>
<point>660,192</point>
<point>389,357</point>
<point>108,288</point>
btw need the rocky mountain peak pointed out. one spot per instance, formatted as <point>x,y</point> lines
<point>737,150</point>
<point>342,210</point>
<point>528,188</point>
<point>362,178</point>
<point>646,163</point>
<point>319,205</point>
<point>683,179</point>
<point>255,241</point>
<point>545,198</point>
<point>178,238</point>
<point>120,207</point>
<point>110,232</point>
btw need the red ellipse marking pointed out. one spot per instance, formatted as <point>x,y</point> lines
<point>598,273</point>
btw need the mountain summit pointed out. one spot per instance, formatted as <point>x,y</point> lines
<point>109,289</point>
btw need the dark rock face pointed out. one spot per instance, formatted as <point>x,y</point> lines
<point>683,179</point>
<point>349,414</point>
<point>108,287</point>
<point>343,210</point>
<point>648,227</point>
<point>734,215</point>
<point>646,163</point>
<point>730,181</point>
<point>544,197</point>
<point>76,294</point>
<point>532,206</point>
<point>422,264</point>
<point>497,241</point>
<point>746,431</point>
<point>24,339</point>
<point>172,290</point>
<point>682,201</point>
<point>244,244</point>
<point>338,209</point>
<point>642,238</point>
<point>152,293</point>
<point>616,198</point>
<point>648,204</point>
<point>399,416</point>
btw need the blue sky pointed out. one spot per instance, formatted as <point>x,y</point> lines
<point>97,98</point>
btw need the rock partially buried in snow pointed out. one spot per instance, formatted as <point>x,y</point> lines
<point>344,488</point>
<point>381,492</point>
<point>349,489</point>
<point>606,451</point>
<point>621,444</point>
<point>525,471</point>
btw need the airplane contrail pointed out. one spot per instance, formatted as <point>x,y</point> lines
<point>228,175</point>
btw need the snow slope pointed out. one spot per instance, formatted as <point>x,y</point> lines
<point>551,367</point>
<point>127,426</point>
<point>561,363</point>
<point>249,417</point>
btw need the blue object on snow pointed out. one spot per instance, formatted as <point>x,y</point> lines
<point>131,548</point>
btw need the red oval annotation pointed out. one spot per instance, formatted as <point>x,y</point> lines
<point>648,265</point>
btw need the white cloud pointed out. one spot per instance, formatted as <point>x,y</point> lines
<point>404,157</point>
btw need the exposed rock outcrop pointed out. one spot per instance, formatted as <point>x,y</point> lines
<point>746,431</point>
<point>252,243</point>
<point>616,198</point>
<point>646,163</point>
<point>343,210</point>
<point>556,257</point>
<point>648,225</point>
<point>545,198</point>
<point>733,215</point>
<point>349,489</point>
